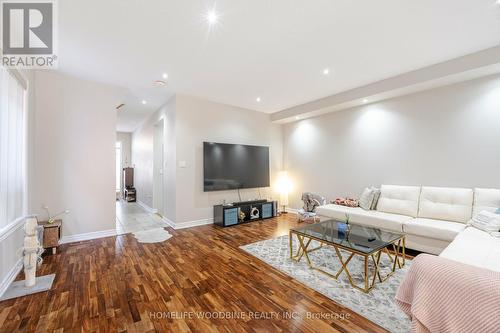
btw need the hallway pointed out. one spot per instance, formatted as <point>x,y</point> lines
<point>132,218</point>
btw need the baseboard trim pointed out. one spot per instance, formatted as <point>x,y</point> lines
<point>88,236</point>
<point>188,224</point>
<point>147,208</point>
<point>196,223</point>
<point>11,276</point>
<point>168,221</point>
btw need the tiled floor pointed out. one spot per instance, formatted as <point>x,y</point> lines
<point>132,218</point>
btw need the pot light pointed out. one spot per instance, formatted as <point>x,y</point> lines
<point>326,71</point>
<point>365,101</point>
<point>212,17</point>
<point>258,99</point>
<point>297,118</point>
<point>144,102</point>
<point>165,76</point>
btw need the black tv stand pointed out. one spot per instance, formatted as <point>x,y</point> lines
<point>244,211</point>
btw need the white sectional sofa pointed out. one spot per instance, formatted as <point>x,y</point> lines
<point>475,247</point>
<point>433,218</point>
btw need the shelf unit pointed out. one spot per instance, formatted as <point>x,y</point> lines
<point>229,215</point>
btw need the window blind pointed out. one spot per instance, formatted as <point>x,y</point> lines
<point>12,147</point>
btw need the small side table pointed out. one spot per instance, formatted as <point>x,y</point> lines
<point>51,234</point>
<point>129,194</point>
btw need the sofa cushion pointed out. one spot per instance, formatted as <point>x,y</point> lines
<point>446,203</point>
<point>401,200</point>
<point>486,199</point>
<point>442,230</point>
<point>475,247</point>
<point>376,196</point>
<point>366,198</point>
<point>372,218</point>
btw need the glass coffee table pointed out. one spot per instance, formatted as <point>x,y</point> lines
<point>355,240</point>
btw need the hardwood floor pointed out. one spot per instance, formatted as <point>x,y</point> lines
<point>115,284</point>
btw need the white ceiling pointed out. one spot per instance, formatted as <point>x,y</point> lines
<point>276,50</point>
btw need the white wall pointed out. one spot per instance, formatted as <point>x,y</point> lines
<point>444,137</point>
<point>74,140</point>
<point>200,120</point>
<point>188,122</point>
<point>126,140</point>
<point>142,158</point>
<point>158,165</point>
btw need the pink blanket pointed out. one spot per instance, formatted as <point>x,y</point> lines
<point>442,295</point>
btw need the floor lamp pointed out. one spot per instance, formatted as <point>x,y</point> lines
<point>283,202</point>
<point>284,187</point>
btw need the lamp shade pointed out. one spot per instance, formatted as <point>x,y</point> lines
<point>283,187</point>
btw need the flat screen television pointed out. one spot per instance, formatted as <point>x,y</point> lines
<point>232,166</point>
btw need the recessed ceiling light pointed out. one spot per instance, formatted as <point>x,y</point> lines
<point>144,102</point>
<point>365,101</point>
<point>297,117</point>
<point>326,71</point>
<point>258,99</point>
<point>212,16</point>
<point>165,76</point>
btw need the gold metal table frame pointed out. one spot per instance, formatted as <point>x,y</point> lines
<point>398,260</point>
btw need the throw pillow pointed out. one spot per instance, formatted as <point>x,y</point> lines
<point>376,196</point>
<point>486,221</point>
<point>348,202</point>
<point>366,199</point>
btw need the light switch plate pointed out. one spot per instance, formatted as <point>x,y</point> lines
<point>182,164</point>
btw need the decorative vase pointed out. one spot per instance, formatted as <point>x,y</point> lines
<point>241,216</point>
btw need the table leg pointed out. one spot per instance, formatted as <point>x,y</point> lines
<point>376,262</point>
<point>342,268</point>
<point>366,272</point>
<point>304,248</point>
<point>396,259</point>
<point>404,250</point>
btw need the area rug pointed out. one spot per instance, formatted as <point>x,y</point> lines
<point>378,305</point>
<point>152,235</point>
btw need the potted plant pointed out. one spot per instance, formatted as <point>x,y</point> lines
<point>347,219</point>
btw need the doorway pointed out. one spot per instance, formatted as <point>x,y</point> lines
<point>158,168</point>
<point>137,217</point>
<point>118,170</point>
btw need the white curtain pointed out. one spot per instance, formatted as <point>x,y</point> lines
<point>12,147</point>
